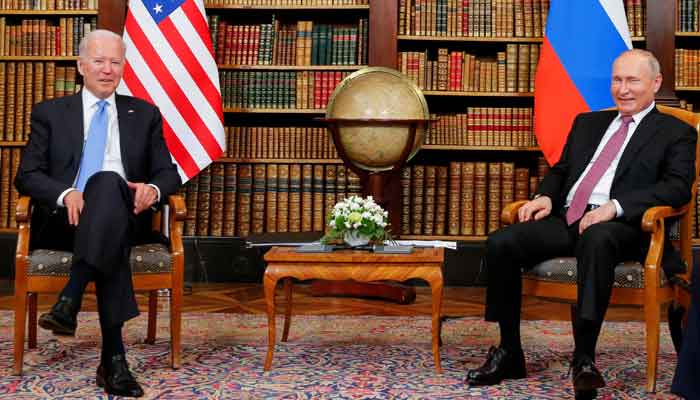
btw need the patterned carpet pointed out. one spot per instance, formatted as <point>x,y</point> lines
<point>327,358</point>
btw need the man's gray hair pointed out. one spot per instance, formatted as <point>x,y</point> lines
<point>654,66</point>
<point>98,34</point>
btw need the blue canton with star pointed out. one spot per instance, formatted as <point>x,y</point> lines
<point>161,9</point>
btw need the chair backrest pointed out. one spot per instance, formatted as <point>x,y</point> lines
<point>686,229</point>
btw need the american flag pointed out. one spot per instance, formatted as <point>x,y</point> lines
<point>170,63</point>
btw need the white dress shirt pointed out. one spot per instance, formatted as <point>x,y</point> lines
<point>113,157</point>
<point>601,191</point>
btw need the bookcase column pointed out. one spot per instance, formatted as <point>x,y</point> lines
<point>383,25</point>
<point>660,36</point>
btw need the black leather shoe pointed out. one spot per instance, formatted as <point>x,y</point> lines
<point>586,377</point>
<point>62,317</point>
<point>500,364</point>
<point>585,394</point>
<point>117,379</point>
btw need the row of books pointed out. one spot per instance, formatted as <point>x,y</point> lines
<point>22,84</point>
<point>279,89</point>
<point>483,126</point>
<point>49,4</point>
<point>221,3</point>
<point>464,198</point>
<point>512,71</point>
<point>300,43</point>
<point>636,13</point>
<point>38,37</point>
<point>9,162</point>
<point>238,199</point>
<point>473,18</point>
<point>279,142</point>
<point>687,16</point>
<point>686,63</point>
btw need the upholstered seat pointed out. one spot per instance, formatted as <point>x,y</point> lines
<point>628,274</point>
<point>153,258</point>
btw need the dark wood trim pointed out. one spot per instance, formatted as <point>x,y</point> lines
<point>383,31</point>
<point>112,15</point>
<point>660,34</point>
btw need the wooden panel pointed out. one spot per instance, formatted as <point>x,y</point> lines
<point>419,255</point>
<point>383,26</point>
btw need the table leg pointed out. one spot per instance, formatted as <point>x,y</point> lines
<point>269,284</point>
<point>436,289</point>
<point>287,308</point>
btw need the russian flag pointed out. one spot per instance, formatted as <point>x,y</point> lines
<point>582,39</point>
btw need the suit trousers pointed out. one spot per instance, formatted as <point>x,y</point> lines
<point>685,379</point>
<point>102,241</point>
<point>521,246</point>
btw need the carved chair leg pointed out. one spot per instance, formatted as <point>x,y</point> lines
<point>652,316</point>
<point>287,308</point>
<point>32,320</point>
<point>152,316</point>
<point>20,324</point>
<point>175,324</point>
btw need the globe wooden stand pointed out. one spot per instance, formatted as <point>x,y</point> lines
<point>375,184</point>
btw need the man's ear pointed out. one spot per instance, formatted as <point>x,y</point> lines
<point>657,82</point>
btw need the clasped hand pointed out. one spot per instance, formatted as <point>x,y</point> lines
<point>541,207</point>
<point>144,196</point>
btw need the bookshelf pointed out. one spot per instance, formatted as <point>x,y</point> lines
<point>289,165</point>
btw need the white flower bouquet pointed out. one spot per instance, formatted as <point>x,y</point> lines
<point>357,220</point>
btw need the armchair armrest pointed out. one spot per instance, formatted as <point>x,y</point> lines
<point>178,212</point>
<point>509,214</point>
<point>653,222</point>
<point>23,212</point>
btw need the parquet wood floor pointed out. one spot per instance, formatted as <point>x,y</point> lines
<point>249,298</point>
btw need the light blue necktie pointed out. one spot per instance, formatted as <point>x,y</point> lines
<point>94,152</point>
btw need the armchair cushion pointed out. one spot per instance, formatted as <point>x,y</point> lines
<point>628,274</point>
<point>144,259</point>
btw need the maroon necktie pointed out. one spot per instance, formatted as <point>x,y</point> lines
<point>601,164</point>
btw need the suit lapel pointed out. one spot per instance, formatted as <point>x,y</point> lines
<point>644,132</point>
<point>125,118</point>
<point>75,127</point>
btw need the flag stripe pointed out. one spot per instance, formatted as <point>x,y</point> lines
<point>586,42</point>
<point>179,152</point>
<point>190,63</point>
<point>171,86</point>
<point>200,50</point>
<point>170,113</point>
<point>199,23</point>
<point>186,82</point>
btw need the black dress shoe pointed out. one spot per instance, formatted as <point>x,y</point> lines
<point>62,317</point>
<point>585,394</point>
<point>500,364</point>
<point>117,379</point>
<point>586,377</point>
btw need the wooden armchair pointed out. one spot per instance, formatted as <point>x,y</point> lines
<point>154,266</point>
<point>635,284</point>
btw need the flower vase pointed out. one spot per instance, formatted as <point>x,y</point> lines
<point>355,238</point>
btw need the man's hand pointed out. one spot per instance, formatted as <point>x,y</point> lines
<point>74,203</point>
<point>144,196</point>
<point>535,209</point>
<point>606,212</point>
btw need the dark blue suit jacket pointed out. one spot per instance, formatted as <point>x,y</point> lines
<point>686,381</point>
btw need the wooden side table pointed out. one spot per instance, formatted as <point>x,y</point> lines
<point>285,263</point>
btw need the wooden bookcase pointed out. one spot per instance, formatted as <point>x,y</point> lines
<point>383,48</point>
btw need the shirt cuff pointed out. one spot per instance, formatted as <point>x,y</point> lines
<point>157,191</point>
<point>618,208</point>
<point>59,202</point>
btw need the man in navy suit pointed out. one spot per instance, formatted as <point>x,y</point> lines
<point>615,165</point>
<point>95,165</point>
<point>685,381</point>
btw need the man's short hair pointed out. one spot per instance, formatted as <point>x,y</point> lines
<point>98,34</point>
<point>654,65</point>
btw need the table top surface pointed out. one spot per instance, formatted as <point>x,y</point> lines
<point>419,254</point>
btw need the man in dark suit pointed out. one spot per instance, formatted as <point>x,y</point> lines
<point>95,165</point>
<point>614,166</point>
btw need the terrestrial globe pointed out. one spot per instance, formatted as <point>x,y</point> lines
<point>373,111</point>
